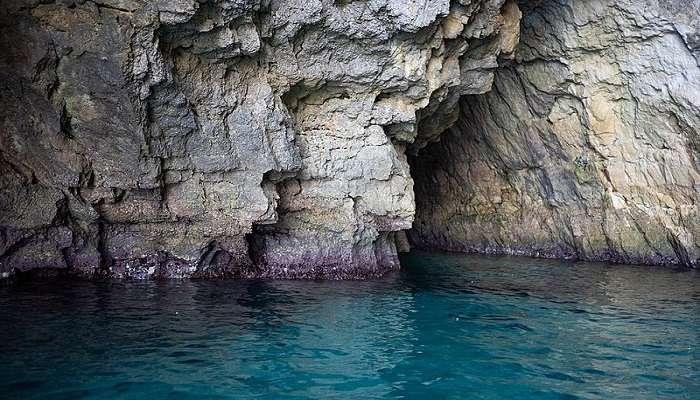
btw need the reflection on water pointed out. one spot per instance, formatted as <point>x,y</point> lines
<point>446,326</point>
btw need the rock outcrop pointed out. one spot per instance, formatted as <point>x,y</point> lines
<point>587,147</point>
<point>227,138</point>
<point>281,138</point>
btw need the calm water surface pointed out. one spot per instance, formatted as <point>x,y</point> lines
<point>446,326</point>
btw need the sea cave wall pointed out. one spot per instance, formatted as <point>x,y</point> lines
<point>588,146</point>
<point>227,138</point>
<point>281,138</point>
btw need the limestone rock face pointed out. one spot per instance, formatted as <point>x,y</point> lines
<point>169,139</point>
<point>587,147</point>
<point>281,138</point>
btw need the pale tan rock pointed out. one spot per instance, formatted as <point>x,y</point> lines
<point>591,131</point>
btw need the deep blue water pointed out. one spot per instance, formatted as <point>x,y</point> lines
<point>446,326</point>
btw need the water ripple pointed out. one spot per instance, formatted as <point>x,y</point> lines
<point>447,326</point>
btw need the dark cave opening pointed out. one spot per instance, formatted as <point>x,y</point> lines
<point>533,168</point>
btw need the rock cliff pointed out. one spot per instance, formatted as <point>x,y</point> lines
<point>587,147</point>
<point>281,138</point>
<point>227,138</point>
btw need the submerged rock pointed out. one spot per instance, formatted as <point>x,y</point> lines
<point>247,138</point>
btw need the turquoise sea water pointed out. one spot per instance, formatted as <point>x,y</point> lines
<point>446,326</point>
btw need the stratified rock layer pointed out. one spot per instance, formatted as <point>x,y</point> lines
<point>166,139</point>
<point>587,147</point>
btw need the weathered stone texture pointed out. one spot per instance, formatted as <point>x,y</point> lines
<point>281,138</point>
<point>156,139</point>
<point>587,147</point>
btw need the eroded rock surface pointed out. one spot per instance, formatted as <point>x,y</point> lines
<point>587,147</point>
<point>281,138</point>
<point>166,139</point>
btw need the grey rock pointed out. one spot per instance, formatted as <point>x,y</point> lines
<point>245,138</point>
<point>225,138</point>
